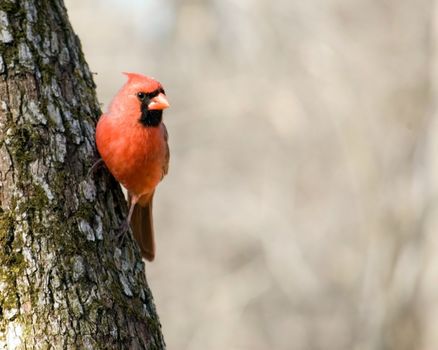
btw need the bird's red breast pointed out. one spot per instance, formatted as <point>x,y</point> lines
<point>131,138</point>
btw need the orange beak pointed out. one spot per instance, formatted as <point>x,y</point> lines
<point>158,102</point>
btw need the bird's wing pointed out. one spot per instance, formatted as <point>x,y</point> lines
<point>167,156</point>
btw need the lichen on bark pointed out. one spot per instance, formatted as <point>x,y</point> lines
<point>64,281</point>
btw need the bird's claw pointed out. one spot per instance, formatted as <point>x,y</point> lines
<point>94,167</point>
<point>120,234</point>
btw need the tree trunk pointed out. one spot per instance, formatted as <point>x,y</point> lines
<point>65,283</point>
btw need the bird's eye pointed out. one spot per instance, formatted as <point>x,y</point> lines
<point>141,95</point>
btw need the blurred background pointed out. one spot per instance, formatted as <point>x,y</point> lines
<point>300,210</point>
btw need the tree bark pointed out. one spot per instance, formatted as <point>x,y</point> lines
<point>65,283</point>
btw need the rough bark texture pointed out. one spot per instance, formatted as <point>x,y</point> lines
<point>64,282</point>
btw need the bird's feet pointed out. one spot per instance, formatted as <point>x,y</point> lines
<point>121,233</point>
<point>94,167</point>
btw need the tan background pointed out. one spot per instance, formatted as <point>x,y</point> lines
<point>300,211</point>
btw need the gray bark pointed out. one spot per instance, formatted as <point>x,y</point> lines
<point>64,282</point>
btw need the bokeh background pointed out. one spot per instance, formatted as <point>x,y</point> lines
<point>300,210</point>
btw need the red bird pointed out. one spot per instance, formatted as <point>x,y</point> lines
<point>132,141</point>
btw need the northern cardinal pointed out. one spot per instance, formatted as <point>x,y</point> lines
<point>132,141</point>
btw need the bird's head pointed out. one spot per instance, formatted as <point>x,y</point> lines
<point>142,98</point>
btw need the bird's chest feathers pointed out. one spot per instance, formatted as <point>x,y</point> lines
<point>144,147</point>
<point>137,155</point>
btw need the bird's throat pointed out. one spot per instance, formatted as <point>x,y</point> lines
<point>150,118</point>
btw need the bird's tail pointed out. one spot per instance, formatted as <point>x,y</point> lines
<point>142,226</point>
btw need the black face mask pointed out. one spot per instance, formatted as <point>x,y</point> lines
<point>150,118</point>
